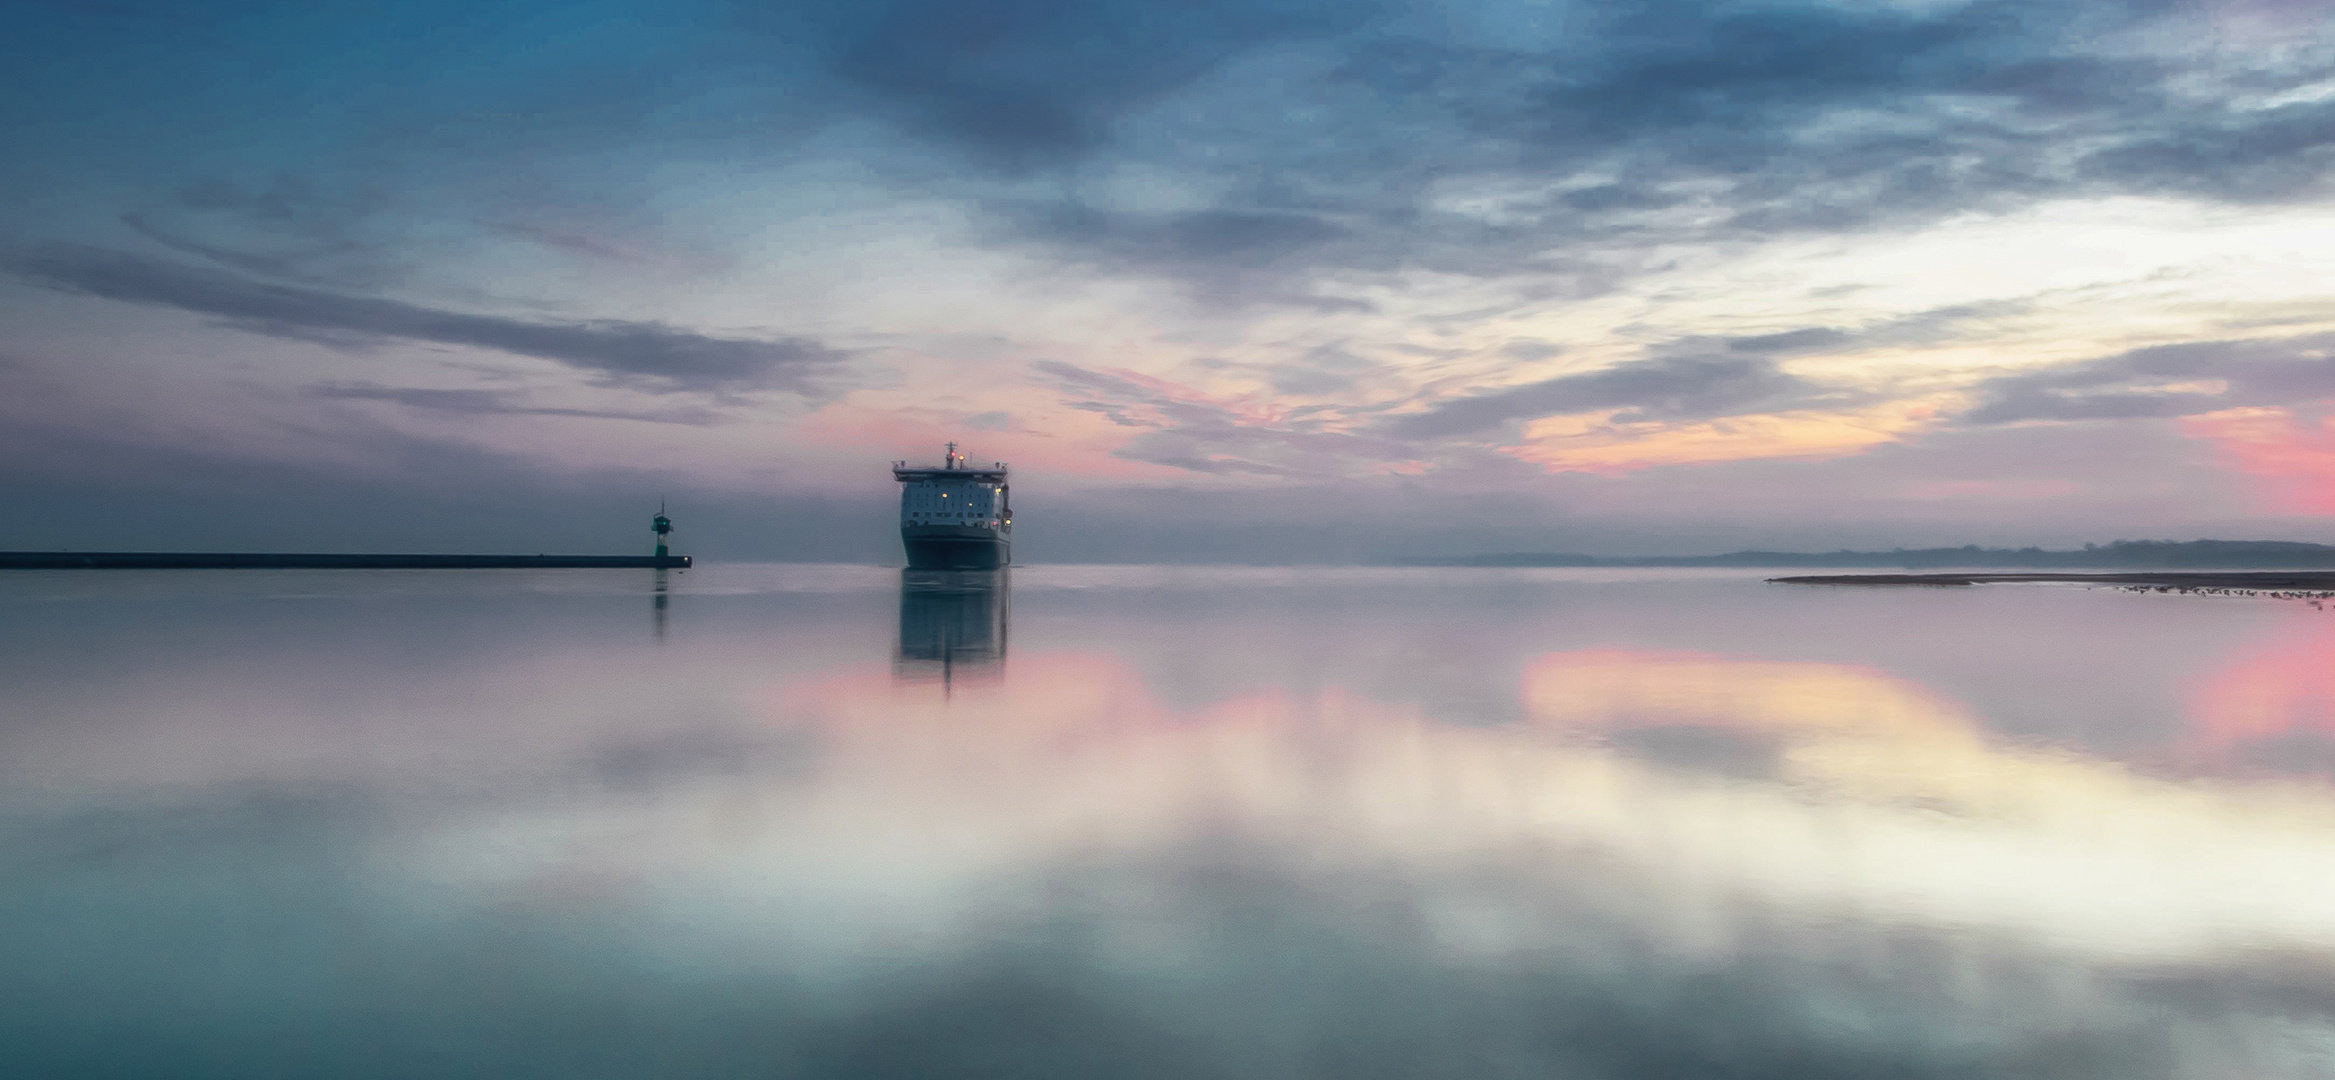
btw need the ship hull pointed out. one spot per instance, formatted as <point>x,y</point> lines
<point>955,547</point>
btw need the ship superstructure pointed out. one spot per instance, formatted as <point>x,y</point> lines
<point>955,516</point>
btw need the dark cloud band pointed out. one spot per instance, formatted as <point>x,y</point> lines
<point>2166,380</point>
<point>1664,388</point>
<point>644,355</point>
<point>501,403</point>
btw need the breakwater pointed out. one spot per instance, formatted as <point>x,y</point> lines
<point>239,560</point>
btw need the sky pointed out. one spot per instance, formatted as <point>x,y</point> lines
<point>1274,280</point>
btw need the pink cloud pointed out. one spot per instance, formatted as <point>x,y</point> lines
<point>2292,458</point>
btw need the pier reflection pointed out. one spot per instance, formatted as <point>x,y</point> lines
<point>953,624</point>
<point>659,592</point>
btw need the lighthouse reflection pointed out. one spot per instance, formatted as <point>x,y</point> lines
<point>659,592</point>
<point>952,624</point>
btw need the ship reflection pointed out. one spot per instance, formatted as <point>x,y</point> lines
<point>952,625</point>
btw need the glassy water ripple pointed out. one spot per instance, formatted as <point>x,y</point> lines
<point>806,821</point>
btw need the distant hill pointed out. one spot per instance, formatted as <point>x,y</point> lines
<point>2121,555</point>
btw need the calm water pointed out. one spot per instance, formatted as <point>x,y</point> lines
<point>807,821</point>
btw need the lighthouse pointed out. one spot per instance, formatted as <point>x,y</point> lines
<point>663,527</point>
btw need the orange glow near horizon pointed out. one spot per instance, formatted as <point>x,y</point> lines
<point>1594,444</point>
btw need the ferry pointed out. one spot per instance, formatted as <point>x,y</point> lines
<point>955,516</point>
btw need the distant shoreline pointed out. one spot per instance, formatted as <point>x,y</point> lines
<point>2122,555</point>
<point>2248,580</point>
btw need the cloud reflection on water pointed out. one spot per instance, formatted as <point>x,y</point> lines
<point>1895,894</point>
<point>953,623</point>
<point>1673,862</point>
<point>2273,705</point>
<point>1855,794</point>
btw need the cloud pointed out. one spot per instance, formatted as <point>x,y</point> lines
<point>333,235</point>
<point>1185,429</point>
<point>1618,445</point>
<point>1668,410</point>
<point>1782,104</point>
<point>1310,135</point>
<point>501,403</point>
<point>1661,388</point>
<point>1023,84</point>
<point>1918,328</point>
<point>2164,380</point>
<point>1806,340</point>
<point>1322,371</point>
<point>1207,239</point>
<point>1283,159</point>
<point>1368,147</point>
<point>1529,349</point>
<point>641,355</point>
<point>2292,460</point>
<point>1233,257</point>
<point>269,265</point>
<point>2276,154</point>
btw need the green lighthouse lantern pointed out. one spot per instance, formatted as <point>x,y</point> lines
<point>663,527</point>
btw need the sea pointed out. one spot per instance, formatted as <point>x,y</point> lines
<point>1159,822</point>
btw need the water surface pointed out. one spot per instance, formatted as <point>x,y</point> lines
<point>806,821</point>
